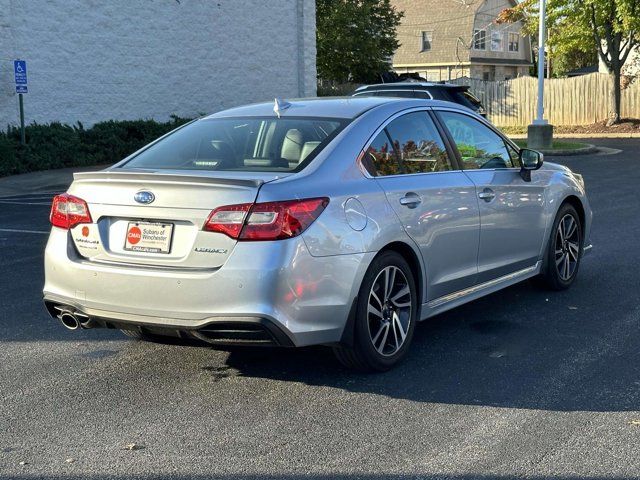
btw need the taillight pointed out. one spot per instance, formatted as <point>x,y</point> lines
<point>228,219</point>
<point>266,221</point>
<point>68,211</point>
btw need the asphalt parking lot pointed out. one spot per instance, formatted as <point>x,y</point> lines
<point>523,383</point>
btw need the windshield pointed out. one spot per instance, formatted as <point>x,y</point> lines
<point>241,144</point>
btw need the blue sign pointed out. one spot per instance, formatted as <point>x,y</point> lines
<point>21,89</point>
<point>20,71</point>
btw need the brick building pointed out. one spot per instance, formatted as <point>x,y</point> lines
<point>91,60</point>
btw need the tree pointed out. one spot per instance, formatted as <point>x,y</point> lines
<point>355,39</point>
<point>610,27</point>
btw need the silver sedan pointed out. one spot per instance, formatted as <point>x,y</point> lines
<point>340,222</point>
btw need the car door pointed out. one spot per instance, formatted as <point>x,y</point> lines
<point>434,200</point>
<point>511,209</point>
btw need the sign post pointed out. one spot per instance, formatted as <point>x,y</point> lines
<point>20,75</point>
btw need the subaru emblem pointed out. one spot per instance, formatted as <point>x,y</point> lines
<point>144,197</point>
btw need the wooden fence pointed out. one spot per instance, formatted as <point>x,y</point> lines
<point>567,101</point>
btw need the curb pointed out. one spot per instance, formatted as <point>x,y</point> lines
<point>567,152</point>
<point>582,135</point>
<point>41,180</point>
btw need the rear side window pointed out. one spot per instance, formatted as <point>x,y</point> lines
<point>409,144</point>
<point>395,93</point>
<point>241,144</point>
<point>380,159</point>
<point>422,94</point>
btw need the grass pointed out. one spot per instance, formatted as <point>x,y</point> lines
<point>513,130</point>
<point>556,145</point>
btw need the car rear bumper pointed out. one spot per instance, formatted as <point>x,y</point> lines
<point>275,291</point>
<point>215,330</point>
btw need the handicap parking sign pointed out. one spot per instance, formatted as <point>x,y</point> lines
<point>20,71</point>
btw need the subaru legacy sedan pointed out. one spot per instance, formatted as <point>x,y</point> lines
<point>341,222</point>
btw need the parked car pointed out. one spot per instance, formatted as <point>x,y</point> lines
<point>340,222</point>
<point>449,92</point>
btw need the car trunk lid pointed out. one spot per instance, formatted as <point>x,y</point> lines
<point>155,218</point>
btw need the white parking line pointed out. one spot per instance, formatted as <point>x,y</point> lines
<point>13,230</point>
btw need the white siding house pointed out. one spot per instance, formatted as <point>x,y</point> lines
<point>631,67</point>
<point>93,60</point>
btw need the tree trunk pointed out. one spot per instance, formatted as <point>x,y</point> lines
<point>616,96</point>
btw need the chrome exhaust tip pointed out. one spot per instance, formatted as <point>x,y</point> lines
<point>69,320</point>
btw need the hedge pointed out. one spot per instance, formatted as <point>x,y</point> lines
<point>57,145</point>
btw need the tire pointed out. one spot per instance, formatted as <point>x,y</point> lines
<point>378,344</point>
<point>564,250</point>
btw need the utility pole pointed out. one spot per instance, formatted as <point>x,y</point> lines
<point>540,133</point>
<point>541,63</point>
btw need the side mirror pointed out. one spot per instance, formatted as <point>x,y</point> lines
<point>530,160</point>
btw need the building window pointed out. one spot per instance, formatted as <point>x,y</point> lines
<point>427,38</point>
<point>479,40</point>
<point>496,41</point>
<point>514,42</point>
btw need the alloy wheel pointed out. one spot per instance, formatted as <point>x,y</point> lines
<point>389,310</point>
<point>567,247</point>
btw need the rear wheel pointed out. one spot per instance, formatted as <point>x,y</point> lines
<point>385,316</point>
<point>564,249</point>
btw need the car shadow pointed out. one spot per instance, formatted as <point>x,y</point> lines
<point>328,476</point>
<point>523,347</point>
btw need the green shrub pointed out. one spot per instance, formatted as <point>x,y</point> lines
<point>56,145</point>
<point>8,164</point>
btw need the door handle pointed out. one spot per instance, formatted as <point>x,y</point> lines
<point>411,200</point>
<point>487,195</point>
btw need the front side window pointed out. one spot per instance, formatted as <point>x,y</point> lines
<point>427,38</point>
<point>514,42</point>
<point>241,144</point>
<point>479,39</point>
<point>479,146</point>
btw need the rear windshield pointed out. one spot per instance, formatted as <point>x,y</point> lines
<point>245,144</point>
<point>463,97</point>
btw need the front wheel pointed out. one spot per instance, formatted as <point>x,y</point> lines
<point>564,250</point>
<point>385,316</point>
